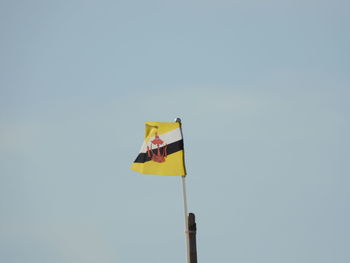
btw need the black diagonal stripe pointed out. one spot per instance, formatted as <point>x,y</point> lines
<point>171,148</point>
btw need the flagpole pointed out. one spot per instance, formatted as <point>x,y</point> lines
<point>183,181</point>
<point>186,218</point>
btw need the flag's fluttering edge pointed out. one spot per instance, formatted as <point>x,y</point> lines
<point>162,151</point>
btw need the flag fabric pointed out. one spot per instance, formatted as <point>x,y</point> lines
<point>162,151</point>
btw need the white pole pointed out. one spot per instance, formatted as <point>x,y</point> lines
<point>186,217</point>
<point>185,209</point>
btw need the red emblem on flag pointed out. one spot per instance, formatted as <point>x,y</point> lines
<point>160,156</point>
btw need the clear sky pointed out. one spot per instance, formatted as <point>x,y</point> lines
<point>262,88</point>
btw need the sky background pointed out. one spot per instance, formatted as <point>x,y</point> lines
<point>262,88</point>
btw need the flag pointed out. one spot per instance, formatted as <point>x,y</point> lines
<point>162,151</point>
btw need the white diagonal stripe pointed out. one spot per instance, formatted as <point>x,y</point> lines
<point>168,137</point>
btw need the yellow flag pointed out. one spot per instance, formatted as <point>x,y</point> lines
<point>162,151</point>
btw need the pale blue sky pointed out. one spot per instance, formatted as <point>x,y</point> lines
<point>262,88</point>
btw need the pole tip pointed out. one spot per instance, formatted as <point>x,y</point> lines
<point>177,120</point>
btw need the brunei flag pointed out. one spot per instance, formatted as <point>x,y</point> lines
<point>162,151</point>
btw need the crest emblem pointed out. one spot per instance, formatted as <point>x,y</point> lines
<point>161,150</point>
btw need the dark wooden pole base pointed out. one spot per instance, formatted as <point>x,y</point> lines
<point>192,230</point>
